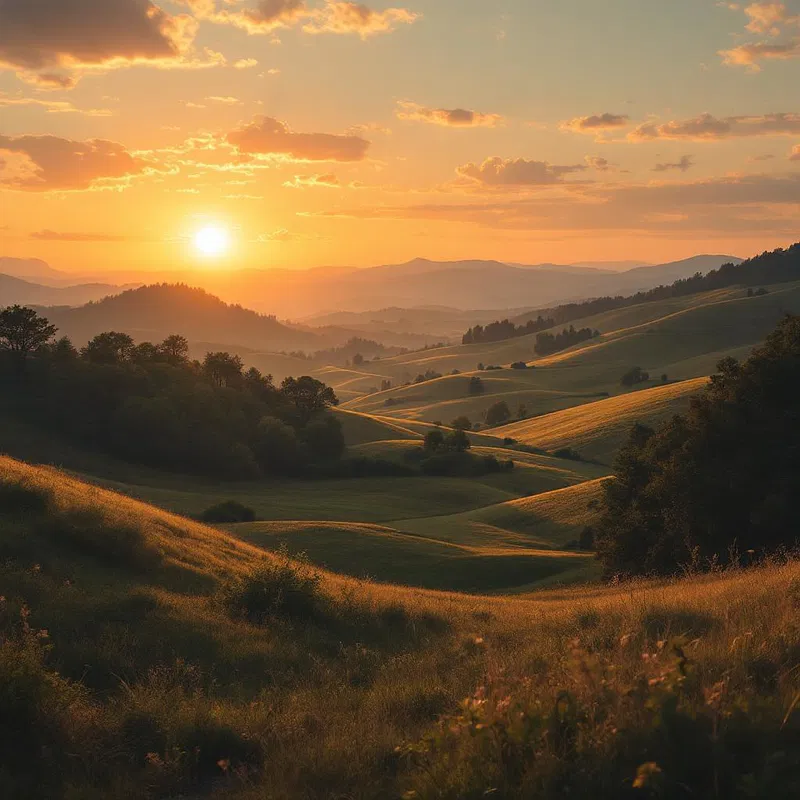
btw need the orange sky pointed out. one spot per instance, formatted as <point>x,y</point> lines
<point>329,132</point>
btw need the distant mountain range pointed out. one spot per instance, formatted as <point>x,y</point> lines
<point>305,294</point>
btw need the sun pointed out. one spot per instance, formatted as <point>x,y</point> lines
<point>212,241</point>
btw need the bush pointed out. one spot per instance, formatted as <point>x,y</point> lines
<point>282,589</point>
<point>475,385</point>
<point>229,511</point>
<point>498,413</point>
<point>568,453</point>
<point>634,376</point>
<point>519,365</point>
<point>16,498</point>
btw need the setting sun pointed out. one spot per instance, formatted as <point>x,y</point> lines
<point>212,241</point>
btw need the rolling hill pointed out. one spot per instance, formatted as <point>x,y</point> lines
<point>22,292</point>
<point>153,312</point>
<point>136,658</point>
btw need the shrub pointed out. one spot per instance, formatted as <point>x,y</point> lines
<point>568,453</point>
<point>230,511</point>
<point>498,413</point>
<point>475,385</point>
<point>285,588</point>
<point>634,376</point>
<point>519,365</point>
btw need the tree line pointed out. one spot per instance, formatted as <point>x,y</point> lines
<point>548,343</point>
<point>505,329</point>
<point>777,266</point>
<point>719,484</point>
<point>149,403</point>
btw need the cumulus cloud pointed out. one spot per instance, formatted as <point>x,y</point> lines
<point>339,16</point>
<point>515,172</point>
<point>328,181</point>
<point>599,163</point>
<point>685,164</point>
<point>770,19</point>
<point>46,40</point>
<point>335,16</point>
<point>706,127</point>
<point>597,123</point>
<point>49,163</point>
<point>268,136</point>
<point>454,118</point>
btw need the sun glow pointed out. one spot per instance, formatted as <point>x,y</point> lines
<point>212,241</point>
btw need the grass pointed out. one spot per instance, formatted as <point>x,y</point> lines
<point>549,520</point>
<point>153,683</point>
<point>387,555</point>
<point>597,430</point>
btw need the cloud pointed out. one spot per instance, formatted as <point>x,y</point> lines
<point>734,205</point>
<point>46,41</point>
<point>595,123</point>
<point>268,136</point>
<point>328,181</point>
<point>454,118</point>
<point>709,128</point>
<point>51,106</point>
<point>225,101</point>
<point>599,163</point>
<point>55,236</point>
<point>336,16</point>
<point>748,55</point>
<point>769,19</point>
<point>49,163</point>
<point>795,155</point>
<point>245,63</point>
<point>284,235</point>
<point>515,172</point>
<point>343,17</point>
<point>684,165</point>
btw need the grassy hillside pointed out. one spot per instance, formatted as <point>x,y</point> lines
<point>143,655</point>
<point>549,520</point>
<point>683,338</point>
<point>597,430</point>
<point>391,556</point>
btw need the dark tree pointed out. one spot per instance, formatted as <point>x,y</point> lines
<point>223,369</point>
<point>634,376</point>
<point>476,386</point>
<point>498,413</point>
<point>434,441</point>
<point>726,476</point>
<point>461,424</point>
<point>109,348</point>
<point>309,395</point>
<point>175,349</point>
<point>458,441</point>
<point>22,332</point>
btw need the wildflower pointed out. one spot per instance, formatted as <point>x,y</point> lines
<point>646,774</point>
<point>224,764</point>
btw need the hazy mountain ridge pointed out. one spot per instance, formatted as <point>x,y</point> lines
<point>460,285</point>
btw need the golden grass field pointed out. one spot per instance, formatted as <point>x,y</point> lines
<point>598,429</point>
<point>317,706</point>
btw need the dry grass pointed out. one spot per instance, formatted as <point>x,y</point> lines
<point>181,698</point>
<point>597,429</point>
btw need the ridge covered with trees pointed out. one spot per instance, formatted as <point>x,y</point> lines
<point>777,266</point>
<point>150,404</point>
<point>719,482</point>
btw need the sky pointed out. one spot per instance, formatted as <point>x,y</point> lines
<point>322,132</point>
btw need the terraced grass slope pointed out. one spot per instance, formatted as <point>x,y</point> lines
<point>179,660</point>
<point>597,430</point>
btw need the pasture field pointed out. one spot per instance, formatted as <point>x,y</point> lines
<point>597,430</point>
<point>152,656</point>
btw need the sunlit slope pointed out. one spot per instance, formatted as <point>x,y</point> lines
<point>683,339</point>
<point>362,428</point>
<point>597,430</point>
<point>389,556</point>
<point>549,520</point>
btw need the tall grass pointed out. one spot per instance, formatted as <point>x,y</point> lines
<point>146,685</point>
